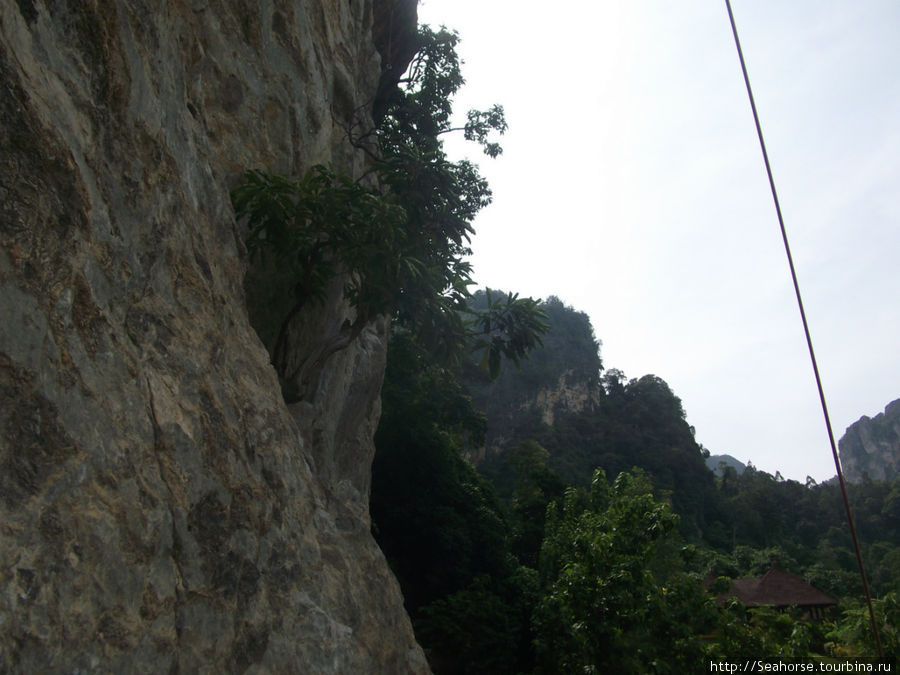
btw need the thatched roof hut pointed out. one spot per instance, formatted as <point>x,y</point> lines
<point>778,589</point>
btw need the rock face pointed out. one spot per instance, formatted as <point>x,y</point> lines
<point>161,508</point>
<point>571,397</point>
<point>713,461</point>
<point>871,446</point>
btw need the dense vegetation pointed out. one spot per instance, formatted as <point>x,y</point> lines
<point>537,563</point>
<point>396,238</point>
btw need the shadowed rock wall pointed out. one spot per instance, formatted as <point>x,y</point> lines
<point>161,508</point>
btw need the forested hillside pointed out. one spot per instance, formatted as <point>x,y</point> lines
<point>500,565</point>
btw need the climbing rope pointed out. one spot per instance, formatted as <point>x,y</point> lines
<point>809,344</point>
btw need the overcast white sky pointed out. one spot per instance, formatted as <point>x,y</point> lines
<point>632,187</point>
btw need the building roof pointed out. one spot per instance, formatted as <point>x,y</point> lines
<point>777,588</point>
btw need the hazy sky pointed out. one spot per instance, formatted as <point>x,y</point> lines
<point>632,187</point>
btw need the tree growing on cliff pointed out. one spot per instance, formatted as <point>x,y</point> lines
<point>401,246</point>
<point>441,199</point>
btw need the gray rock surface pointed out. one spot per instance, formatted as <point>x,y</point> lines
<point>161,508</point>
<point>713,461</point>
<point>871,446</point>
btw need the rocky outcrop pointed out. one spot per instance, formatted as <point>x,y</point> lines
<point>871,446</point>
<point>570,395</point>
<point>161,508</point>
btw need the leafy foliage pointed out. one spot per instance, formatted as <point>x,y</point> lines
<point>604,610</point>
<point>322,225</point>
<point>400,248</point>
<point>441,198</point>
<point>568,346</point>
<point>607,591</point>
<point>624,424</point>
<point>440,524</point>
<point>482,629</point>
<point>745,635</point>
<point>420,111</point>
<point>852,636</point>
<point>806,525</point>
<point>510,327</point>
<point>536,485</point>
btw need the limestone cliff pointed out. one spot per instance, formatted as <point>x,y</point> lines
<point>161,508</point>
<point>871,446</point>
<point>559,378</point>
<point>572,394</point>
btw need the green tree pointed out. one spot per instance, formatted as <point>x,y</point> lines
<point>400,245</point>
<point>603,608</point>
<point>744,634</point>
<point>483,628</point>
<point>536,485</point>
<point>852,635</point>
<point>311,231</point>
<point>440,524</point>
<point>441,198</point>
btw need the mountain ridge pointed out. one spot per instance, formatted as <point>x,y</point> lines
<point>870,447</point>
